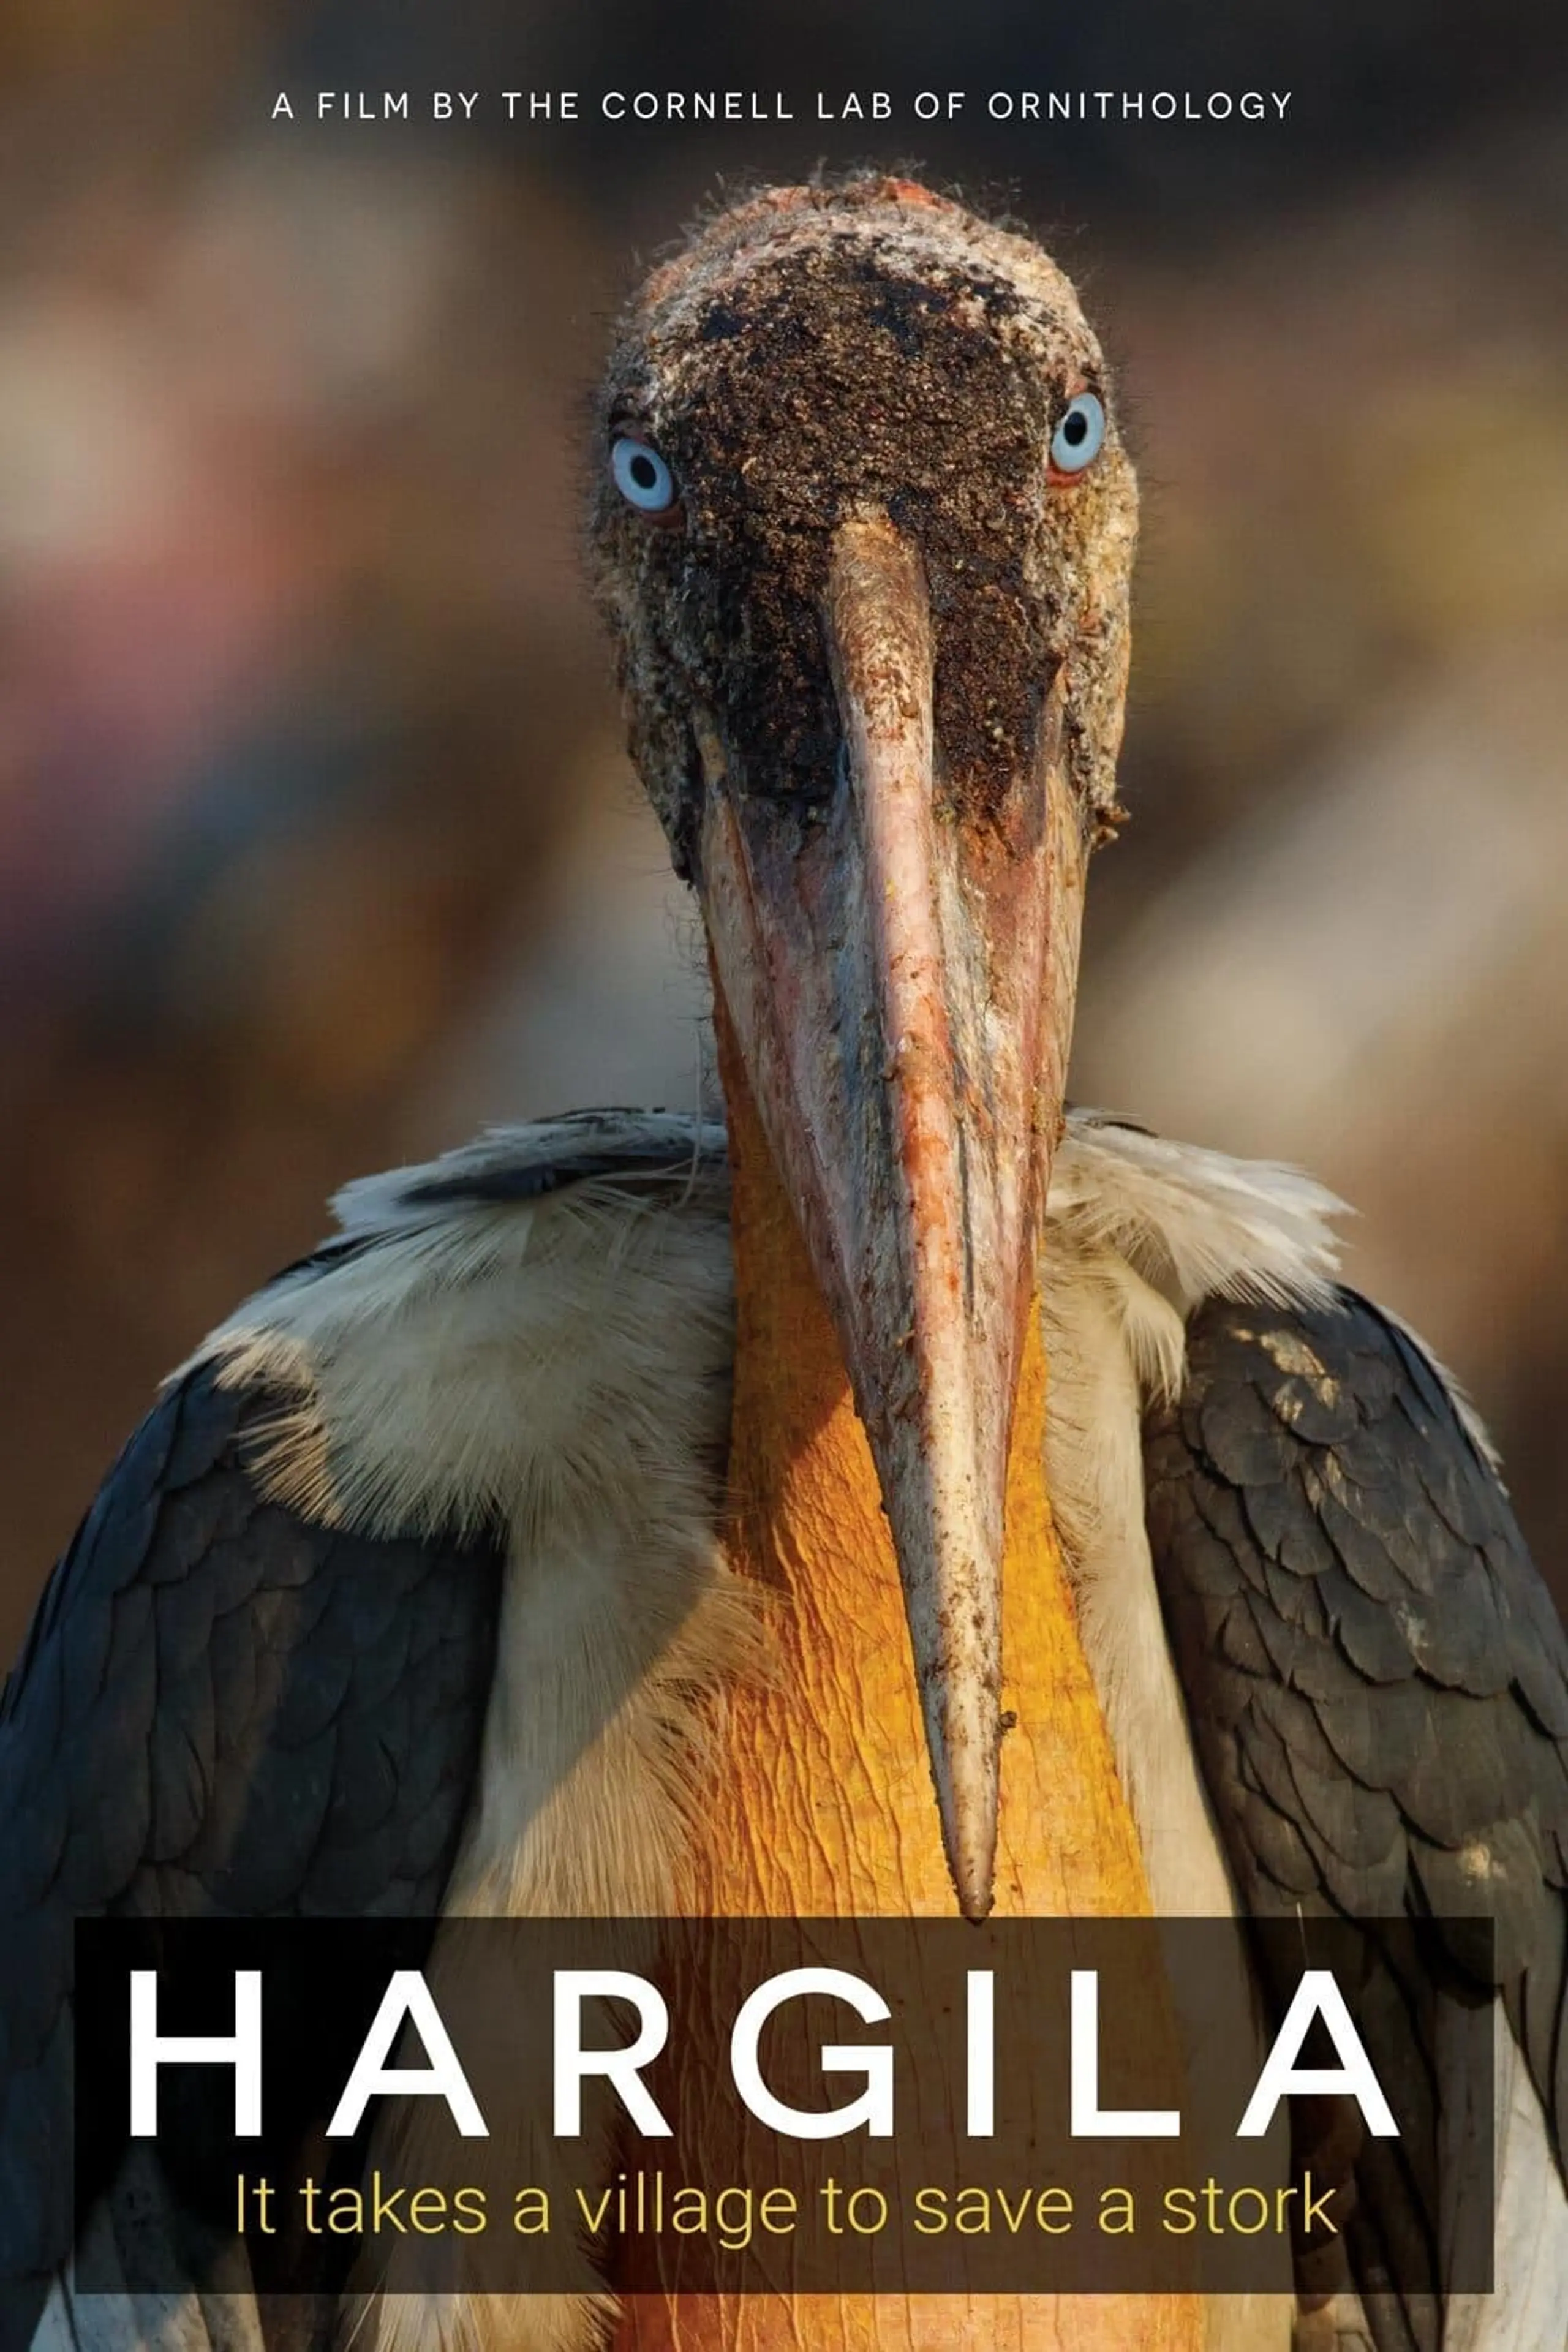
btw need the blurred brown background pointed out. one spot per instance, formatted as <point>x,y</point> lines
<point>316,847</point>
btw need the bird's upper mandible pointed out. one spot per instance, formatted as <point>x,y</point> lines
<point>863,524</point>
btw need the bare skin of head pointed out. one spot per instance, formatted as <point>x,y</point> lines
<point>819,353</point>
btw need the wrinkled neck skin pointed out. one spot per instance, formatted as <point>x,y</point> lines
<point>821,1796</point>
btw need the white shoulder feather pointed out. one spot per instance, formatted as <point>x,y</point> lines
<point>1194,1224</point>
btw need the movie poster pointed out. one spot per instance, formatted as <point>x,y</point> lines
<point>783,815</point>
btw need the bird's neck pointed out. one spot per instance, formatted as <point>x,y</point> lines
<point>821,1801</point>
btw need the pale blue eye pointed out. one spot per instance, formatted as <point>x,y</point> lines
<point>1081,437</point>
<point>642,477</point>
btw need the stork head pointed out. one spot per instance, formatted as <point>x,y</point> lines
<point>863,527</point>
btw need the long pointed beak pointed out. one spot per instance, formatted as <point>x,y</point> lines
<point>899,971</point>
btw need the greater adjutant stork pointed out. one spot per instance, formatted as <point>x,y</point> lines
<point>430,1580</point>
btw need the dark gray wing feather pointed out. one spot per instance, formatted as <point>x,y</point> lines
<point>1377,1677</point>
<point>220,1707</point>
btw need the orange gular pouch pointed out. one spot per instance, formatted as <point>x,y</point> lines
<point>821,1801</point>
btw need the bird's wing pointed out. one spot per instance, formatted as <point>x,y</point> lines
<point>257,1683</point>
<point>1377,1683</point>
<point>221,1708</point>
